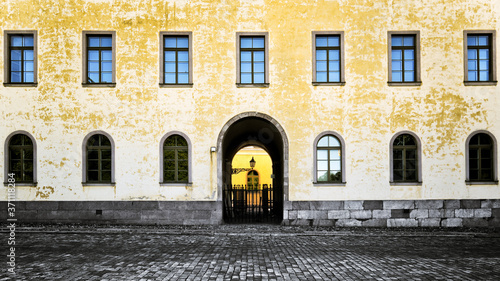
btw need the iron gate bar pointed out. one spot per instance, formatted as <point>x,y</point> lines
<point>249,205</point>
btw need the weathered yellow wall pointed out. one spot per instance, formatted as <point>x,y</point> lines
<point>263,165</point>
<point>137,113</point>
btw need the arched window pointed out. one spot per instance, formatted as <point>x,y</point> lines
<point>98,159</point>
<point>175,165</point>
<point>481,162</point>
<point>21,157</point>
<point>329,159</point>
<point>405,162</point>
<point>253,180</point>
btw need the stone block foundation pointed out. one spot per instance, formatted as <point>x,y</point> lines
<point>399,213</point>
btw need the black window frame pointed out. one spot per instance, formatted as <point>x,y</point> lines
<point>163,48</point>
<point>493,159</point>
<point>416,48</point>
<point>7,55</point>
<point>85,160</point>
<point>340,35</point>
<point>22,148</point>
<point>341,149</point>
<point>176,149</point>
<point>85,49</point>
<point>492,75</point>
<point>239,49</point>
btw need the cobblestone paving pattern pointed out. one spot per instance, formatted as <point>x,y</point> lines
<point>257,256</point>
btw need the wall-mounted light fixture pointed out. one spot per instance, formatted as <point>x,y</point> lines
<point>213,149</point>
<point>252,163</point>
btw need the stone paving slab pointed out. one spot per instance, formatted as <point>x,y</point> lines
<point>254,253</point>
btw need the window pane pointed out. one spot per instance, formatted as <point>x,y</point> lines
<point>334,65</point>
<point>16,41</point>
<point>409,54</point>
<point>107,55</point>
<point>397,54</point>
<point>28,40</point>
<point>93,66</point>
<point>471,40</point>
<point>106,176</point>
<point>246,56</point>
<point>485,154</point>
<point>397,76</point>
<point>169,165</point>
<point>333,141</point>
<point>183,78</point>
<point>474,175</point>
<point>397,154</point>
<point>321,76</point>
<point>473,153</point>
<point>409,65</point>
<point>15,76</point>
<point>411,175</point>
<point>334,76</point>
<point>473,163</point>
<point>106,41</point>
<point>107,77</point>
<point>333,41</point>
<point>398,175</point>
<point>472,65</point>
<point>321,41</point>
<point>334,54</point>
<point>15,55</point>
<point>484,64</point>
<point>322,154</point>
<point>15,154</point>
<point>258,56</point>
<point>28,66</point>
<point>322,165</point>
<point>28,55</point>
<point>246,67</point>
<point>321,55</point>
<point>106,66</point>
<point>246,78</point>
<point>169,77</point>
<point>335,154</point>
<point>15,65</point>
<point>472,54</point>
<point>170,67</point>
<point>246,42</point>
<point>322,176</point>
<point>408,41</point>
<point>28,77</point>
<point>258,67</point>
<point>93,41</point>
<point>410,164</point>
<point>483,40</point>
<point>183,67</point>
<point>92,175</point>
<point>320,65</point>
<point>397,41</point>
<point>182,42</point>
<point>106,154</point>
<point>334,165</point>
<point>93,55</point>
<point>483,139</point>
<point>472,76</point>
<point>409,76</point>
<point>259,78</point>
<point>484,76</point>
<point>169,55</point>
<point>397,65</point>
<point>93,77</point>
<point>106,165</point>
<point>258,42</point>
<point>484,54</point>
<point>170,42</point>
<point>169,176</point>
<point>93,165</point>
<point>183,176</point>
<point>183,56</point>
<point>397,164</point>
<point>323,141</point>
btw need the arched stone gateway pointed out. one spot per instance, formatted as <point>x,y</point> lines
<point>257,129</point>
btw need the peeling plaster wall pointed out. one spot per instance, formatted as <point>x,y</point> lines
<point>59,112</point>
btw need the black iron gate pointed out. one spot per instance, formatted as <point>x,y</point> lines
<point>249,204</point>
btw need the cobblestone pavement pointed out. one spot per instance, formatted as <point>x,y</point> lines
<point>252,253</point>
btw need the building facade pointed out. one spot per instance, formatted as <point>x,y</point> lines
<point>379,113</point>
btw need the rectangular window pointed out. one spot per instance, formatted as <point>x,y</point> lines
<point>328,58</point>
<point>99,58</point>
<point>479,57</point>
<point>21,58</point>
<point>404,58</point>
<point>252,59</point>
<point>175,59</point>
